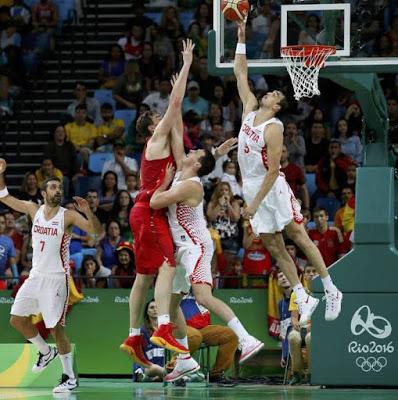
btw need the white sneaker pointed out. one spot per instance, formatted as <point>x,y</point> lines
<point>333,304</point>
<point>249,347</point>
<point>184,366</point>
<point>44,359</point>
<point>306,308</point>
<point>66,385</point>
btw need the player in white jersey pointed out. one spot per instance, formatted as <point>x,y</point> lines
<point>194,248</point>
<point>46,291</point>
<point>272,206</point>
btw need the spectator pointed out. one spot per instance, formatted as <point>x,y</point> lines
<point>216,117</point>
<point>10,36</point>
<point>26,252</point>
<point>21,15</point>
<point>292,250</point>
<point>295,178</point>
<point>62,153</point>
<point>125,267</point>
<point>201,330</point>
<point>318,115</point>
<point>92,105</point>
<point>30,190</point>
<point>350,144</point>
<point>228,107</point>
<point>132,184</point>
<point>392,108</point>
<point>13,233</point>
<point>170,22</point>
<point>92,274</point>
<point>81,133</point>
<point>106,249</point>
<point>45,20</point>
<point>121,211</point>
<point>150,65</point>
<point>93,202</point>
<point>194,102</point>
<point>316,147</point>
<point>5,99</point>
<point>353,116</point>
<point>140,18</point>
<point>8,267</point>
<point>205,81</point>
<point>204,16</point>
<point>132,43</point>
<point>120,164</point>
<point>158,100</point>
<point>300,336</point>
<point>195,34</point>
<point>230,176</point>
<point>128,88</point>
<point>109,188</point>
<point>111,129</point>
<point>5,16</point>
<point>331,173</point>
<point>223,212</point>
<point>256,258</point>
<point>135,139</point>
<point>295,144</point>
<point>346,194</point>
<point>47,170</point>
<point>162,45</point>
<point>351,176</point>
<point>329,240</point>
<point>155,354</point>
<point>112,67</point>
<point>309,35</point>
<point>233,276</point>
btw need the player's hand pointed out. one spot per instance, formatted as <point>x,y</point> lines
<point>227,146</point>
<point>81,205</point>
<point>3,165</point>
<point>249,211</point>
<point>187,51</point>
<point>169,174</point>
<point>173,79</point>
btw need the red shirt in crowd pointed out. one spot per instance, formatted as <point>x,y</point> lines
<point>294,177</point>
<point>328,244</point>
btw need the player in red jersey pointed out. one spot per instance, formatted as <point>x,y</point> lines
<point>154,249</point>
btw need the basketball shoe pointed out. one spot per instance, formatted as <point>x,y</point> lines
<point>66,384</point>
<point>306,307</point>
<point>133,346</point>
<point>163,337</point>
<point>44,359</point>
<point>184,366</point>
<point>250,346</point>
<point>333,304</point>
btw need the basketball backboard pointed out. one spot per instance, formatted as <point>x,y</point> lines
<point>358,28</point>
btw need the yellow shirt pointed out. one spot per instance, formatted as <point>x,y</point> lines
<point>293,305</point>
<point>80,135</point>
<point>41,178</point>
<point>105,129</point>
<point>7,3</point>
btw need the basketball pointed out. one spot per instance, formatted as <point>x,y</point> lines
<point>235,10</point>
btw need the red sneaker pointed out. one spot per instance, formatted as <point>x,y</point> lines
<point>133,346</point>
<point>163,337</point>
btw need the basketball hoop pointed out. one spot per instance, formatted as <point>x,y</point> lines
<point>303,63</point>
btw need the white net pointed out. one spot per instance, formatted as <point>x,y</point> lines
<point>303,64</point>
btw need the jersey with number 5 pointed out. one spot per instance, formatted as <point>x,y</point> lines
<point>50,243</point>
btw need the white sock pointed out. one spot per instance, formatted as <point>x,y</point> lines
<point>328,284</point>
<point>163,319</point>
<point>40,343</point>
<point>238,328</point>
<point>66,360</point>
<point>134,332</point>
<point>300,292</point>
<point>184,342</point>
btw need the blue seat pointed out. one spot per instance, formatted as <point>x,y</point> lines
<point>185,19</point>
<point>30,3</point>
<point>311,185</point>
<point>66,11</point>
<point>154,16</point>
<point>128,116</point>
<point>97,160</point>
<point>330,204</point>
<point>105,96</point>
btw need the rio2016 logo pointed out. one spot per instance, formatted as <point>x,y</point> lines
<point>364,321</point>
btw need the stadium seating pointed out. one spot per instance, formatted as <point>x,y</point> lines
<point>105,96</point>
<point>128,116</point>
<point>311,185</point>
<point>97,160</point>
<point>330,204</point>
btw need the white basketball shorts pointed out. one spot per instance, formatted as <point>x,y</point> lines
<point>278,208</point>
<point>193,265</point>
<point>45,294</point>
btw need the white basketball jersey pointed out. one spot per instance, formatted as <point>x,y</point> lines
<point>252,150</point>
<point>188,224</point>
<point>50,243</point>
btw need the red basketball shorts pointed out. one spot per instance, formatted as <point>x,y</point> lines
<point>153,244</point>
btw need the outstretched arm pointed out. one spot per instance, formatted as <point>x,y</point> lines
<point>25,207</point>
<point>240,69</point>
<point>177,94</point>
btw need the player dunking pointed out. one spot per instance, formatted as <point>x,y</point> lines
<point>272,206</point>
<point>154,250</point>
<point>195,247</point>
<point>46,291</point>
